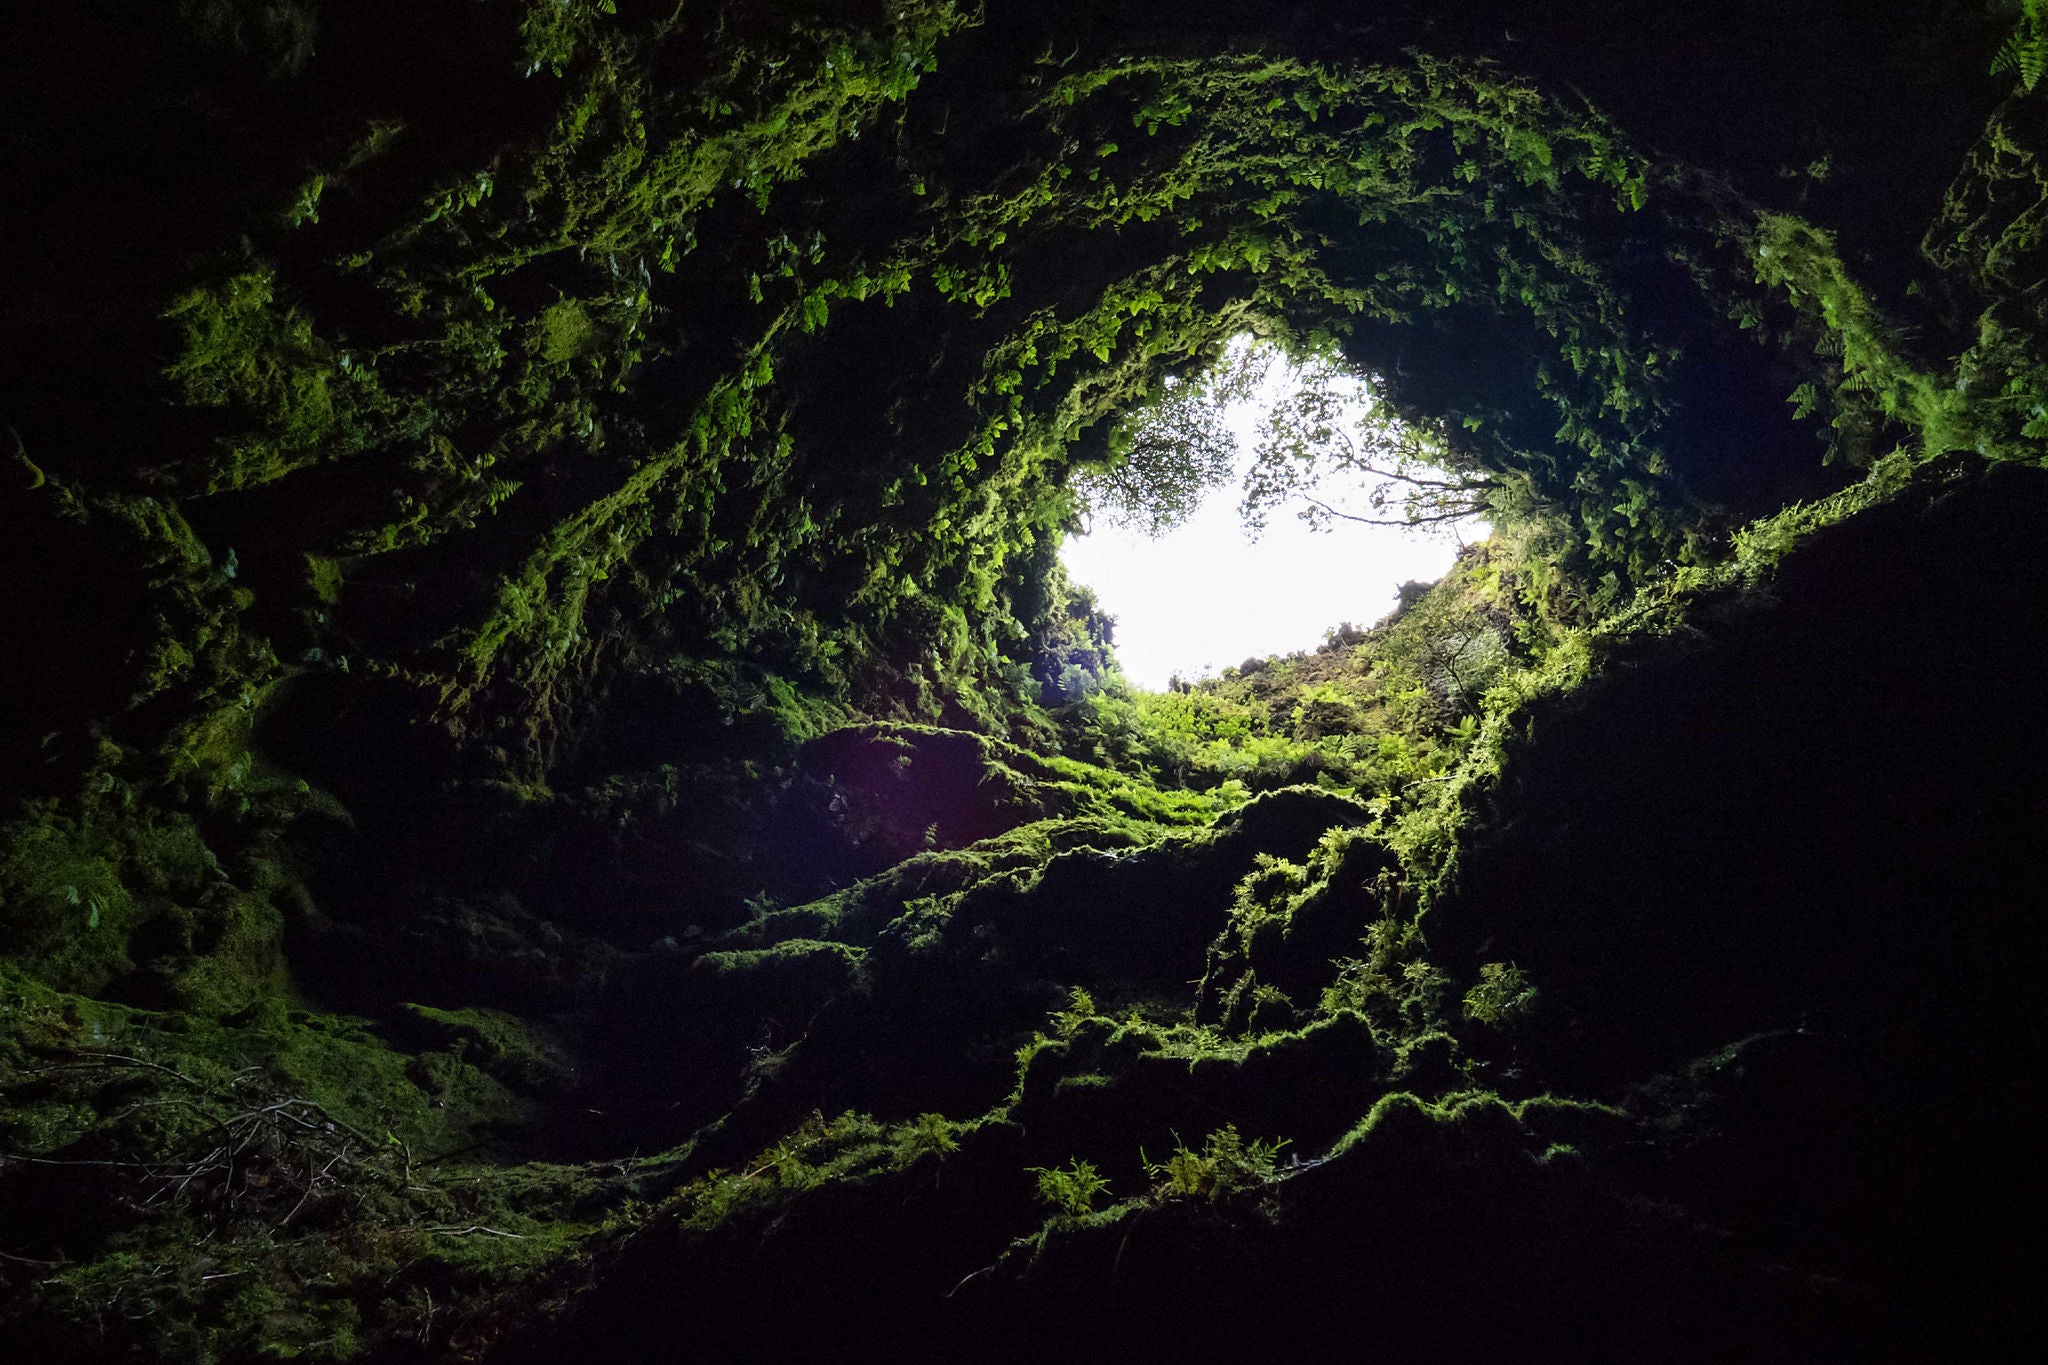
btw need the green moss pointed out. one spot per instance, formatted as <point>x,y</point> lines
<point>1400,1122</point>
<point>324,577</point>
<point>337,1131</point>
<point>803,966</point>
<point>564,332</point>
<point>228,954</point>
<point>504,1047</point>
<point>1223,1166</point>
<point>66,911</point>
<point>819,1151</point>
<point>241,348</point>
<point>528,282</point>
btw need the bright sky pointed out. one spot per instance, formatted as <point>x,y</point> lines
<point>1205,596</point>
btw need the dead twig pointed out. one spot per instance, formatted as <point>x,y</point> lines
<point>972,1275</point>
<point>58,1161</point>
<point>125,1060</point>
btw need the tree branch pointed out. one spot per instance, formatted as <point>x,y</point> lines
<point>1462,485</point>
<point>1455,514</point>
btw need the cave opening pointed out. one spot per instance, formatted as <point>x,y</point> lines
<point>1263,507</point>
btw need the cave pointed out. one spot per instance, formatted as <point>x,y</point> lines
<point>557,800</point>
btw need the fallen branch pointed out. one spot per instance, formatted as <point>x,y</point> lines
<point>122,1058</point>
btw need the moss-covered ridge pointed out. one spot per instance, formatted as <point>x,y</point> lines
<point>1572,947</point>
<point>1088,988</point>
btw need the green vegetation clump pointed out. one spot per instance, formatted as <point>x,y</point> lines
<point>323,1178</point>
<point>1074,1190</point>
<point>1385,710</point>
<point>1225,1165</point>
<point>1502,992</point>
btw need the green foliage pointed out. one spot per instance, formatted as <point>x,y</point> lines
<point>1448,648</point>
<point>1163,458</point>
<point>246,349</point>
<point>460,356</point>
<point>1362,983</point>
<point>2025,50</point>
<point>926,1135</point>
<point>1801,259</point>
<point>1323,711</point>
<point>502,1046</point>
<point>1254,156</point>
<point>1225,1165</point>
<point>488,378</point>
<point>1080,1008</point>
<point>1501,994</point>
<point>1382,711</point>
<point>117,892</point>
<point>320,1170</point>
<point>817,1152</point>
<point>1328,429</point>
<point>1072,1190</point>
<point>1069,642</point>
<point>1194,736</point>
<point>63,903</point>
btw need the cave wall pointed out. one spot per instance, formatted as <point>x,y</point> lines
<point>533,611</point>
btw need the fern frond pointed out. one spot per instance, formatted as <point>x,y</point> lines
<point>2025,53</point>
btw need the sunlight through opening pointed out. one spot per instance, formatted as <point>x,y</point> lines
<point>1210,591</point>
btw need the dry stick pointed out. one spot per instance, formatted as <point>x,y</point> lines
<point>159,1103</point>
<point>972,1275</point>
<point>204,1166</point>
<point>125,1059</point>
<point>54,1161</point>
<point>337,1123</point>
<point>304,1196</point>
<point>240,1134</point>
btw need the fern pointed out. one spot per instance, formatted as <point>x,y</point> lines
<point>2026,47</point>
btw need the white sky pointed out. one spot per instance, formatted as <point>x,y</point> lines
<point>1205,596</point>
